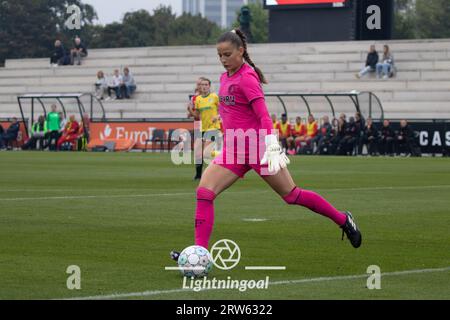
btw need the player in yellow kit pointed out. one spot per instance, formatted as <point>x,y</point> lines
<point>207,109</point>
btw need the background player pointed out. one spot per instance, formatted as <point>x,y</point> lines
<point>206,109</point>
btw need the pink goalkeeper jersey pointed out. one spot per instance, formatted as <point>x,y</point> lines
<point>236,95</point>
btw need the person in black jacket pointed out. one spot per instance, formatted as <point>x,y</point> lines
<point>405,138</point>
<point>370,138</point>
<point>387,139</point>
<point>324,137</point>
<point>78,52</point>
<point>371,62</point>
<point>11,134</point>
<point>59,56</point>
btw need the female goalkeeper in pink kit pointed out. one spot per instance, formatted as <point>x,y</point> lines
<point>242,106</point>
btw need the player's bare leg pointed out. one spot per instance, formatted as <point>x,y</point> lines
<point>284,185</point>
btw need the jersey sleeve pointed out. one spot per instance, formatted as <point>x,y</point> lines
<point>251,87</point>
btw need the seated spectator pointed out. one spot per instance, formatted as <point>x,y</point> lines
<point>339,135</point>
<point>78,52</point>
<point>311,129</point>
<point>405,139</point>
<point>38,134</point>
<point>10,135</point>
<point>385,68</point>
<point>371,62</point>
<point>324,137</point>
<point>347,142</point>
<point>370,138</point>
<point>70,134</point>
<point>59,56</point>
<point>284,132</point>
<point>114,85</point>
<point>299,134</point>
<point>128,85</point>
<point>387,139</point>
<point>101,86</point>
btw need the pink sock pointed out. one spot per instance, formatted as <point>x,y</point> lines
<point>204,216</point>
<point>316,203</point>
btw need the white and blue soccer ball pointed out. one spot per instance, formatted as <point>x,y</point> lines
<point>195,261</point>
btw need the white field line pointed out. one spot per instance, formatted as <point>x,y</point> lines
<point>265,268</point>
<point>275,283</point>
<point>192,193</point>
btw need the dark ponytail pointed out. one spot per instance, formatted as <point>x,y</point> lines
<point>238,38</point>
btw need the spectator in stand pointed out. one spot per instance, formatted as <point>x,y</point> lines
<point>370,138</point>
<point>405,139</point>
<point>128,84</point>
<point>371,62</point>
<point>38,134</point>
<point>284,132</point>
<point>11,134</point>
<point>101,85</point>
<point>387,139</point>
<point>78,52</point>
<point>114,85</point>
<point>53,126</point>
<point>324,137</point>
<point>299,134</point>
<point>59,56</point>
<point>385,68</point>
<point>70,134</point>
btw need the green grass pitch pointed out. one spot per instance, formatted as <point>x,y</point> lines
<point>117,216</point>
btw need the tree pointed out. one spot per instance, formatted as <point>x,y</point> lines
<point>193,30</point>
<point>433,18</point>
<point>29,28</point>
<point>404,19</point>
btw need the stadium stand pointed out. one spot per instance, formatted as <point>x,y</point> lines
<point>166,77</point>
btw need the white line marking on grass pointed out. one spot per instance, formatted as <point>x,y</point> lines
<point>264,268</point>
<point>253,220</point>
<point>229,192</point>
<point>275,283</point>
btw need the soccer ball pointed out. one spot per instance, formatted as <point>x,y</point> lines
<point>195,261</point>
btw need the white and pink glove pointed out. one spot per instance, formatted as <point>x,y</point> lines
<point>274,155</point>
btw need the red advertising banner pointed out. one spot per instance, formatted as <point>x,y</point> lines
<point>138,132</point>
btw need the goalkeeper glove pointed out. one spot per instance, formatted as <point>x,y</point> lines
<point>274,156</point>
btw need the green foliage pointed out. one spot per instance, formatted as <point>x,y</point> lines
<point>421,19</point>
<point>259,24</point>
